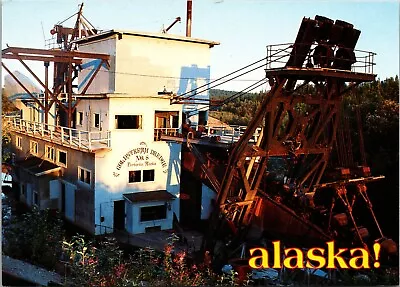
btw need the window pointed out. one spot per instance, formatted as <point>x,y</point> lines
<point>135,176</point>
<point>153,213</point>
<point>84,175</point>
<point>79,119</point>
<point>62,158</point>
<point>96,120</point>
<point>148,175</point>
<point>128,122</point>
<point>166,119</point>
<point>23,189</point>
<point>18,141</point>
<point>33,147</point>
<point>50,153</point>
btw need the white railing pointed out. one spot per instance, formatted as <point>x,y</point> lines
<point>158,132</point>
<point>230,134</point>
<point>63,135</point>
<point>225,134</point>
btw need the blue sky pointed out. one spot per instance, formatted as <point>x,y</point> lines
<point>243,28</point>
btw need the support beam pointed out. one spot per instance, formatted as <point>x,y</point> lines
<point>46,89</point>
<point>57,53</point>
<point>41,58</point>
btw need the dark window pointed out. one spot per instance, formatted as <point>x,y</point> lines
<point>62,157</point>
<point>80,118</point>
<point>87,176</point>
<point>23,189</point>
<point>96,120</point>
<point>128,122</point>
<point>175,121</point>
<point>148,175</point>
<point>202,118</point>
<point>135,176</point>
<point>153,213</point>
<point>84,175</point>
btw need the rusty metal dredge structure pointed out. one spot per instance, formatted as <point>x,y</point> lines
<point>301,128</point>
<point>67,63</point>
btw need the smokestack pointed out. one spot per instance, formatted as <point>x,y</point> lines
<point>189,18</point>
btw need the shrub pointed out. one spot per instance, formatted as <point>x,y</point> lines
<point>35,237</point>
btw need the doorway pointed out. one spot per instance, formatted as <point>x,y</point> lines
<point>119,215</point>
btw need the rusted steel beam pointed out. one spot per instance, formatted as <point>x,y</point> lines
<point>245,181</point>
<point>320,73</point>
<point>41,58</point>
<point>314,167</point>
<point>54,98</point>
<point>60,53</point>
<point>239,203</point>
<point>75,105</point>
<point>22,85</point>
<point>34,75</point>
<point>203,165</point>
<point>57,91</point>
<point>243,141</point>
<point>255,153</point>
<point>69,87</point>
<point>323,124</point>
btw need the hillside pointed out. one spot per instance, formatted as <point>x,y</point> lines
<point>237,112</point>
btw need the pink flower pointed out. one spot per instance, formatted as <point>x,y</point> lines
<point>119,270</point>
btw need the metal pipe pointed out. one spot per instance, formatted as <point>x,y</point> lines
<point>178,19</point>
<point>189,18</point>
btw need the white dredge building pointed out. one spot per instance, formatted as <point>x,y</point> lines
<point>110,170</point>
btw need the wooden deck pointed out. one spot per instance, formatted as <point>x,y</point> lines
<point>73,138</point>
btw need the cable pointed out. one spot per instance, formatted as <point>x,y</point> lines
<point>225,76</point>
<point>271,61</point>
<point>210,87</point>
<point>67,19</point>
<point>231,98</point>
<point>234,96</point>
<point>87,21</point>
<point>165,77</point>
